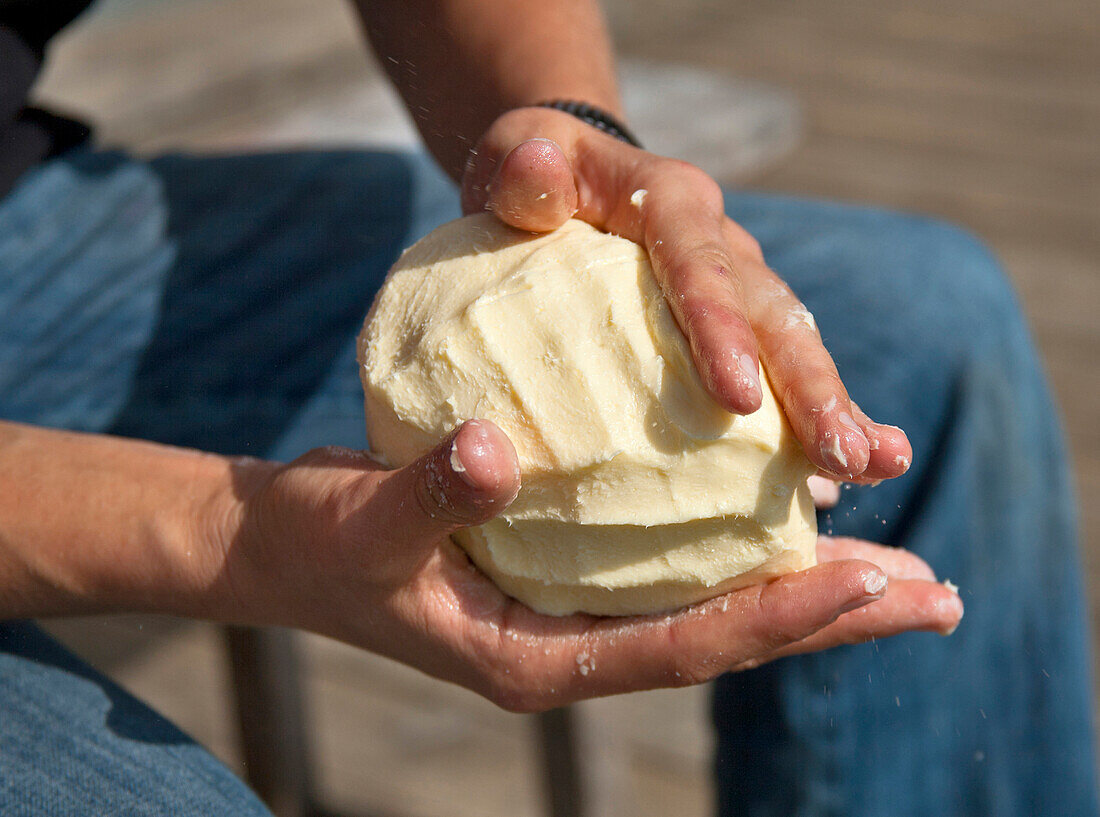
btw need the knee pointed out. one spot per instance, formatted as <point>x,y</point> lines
<point>969,297</point>
<point>952,339</point>
<point>942,296</point>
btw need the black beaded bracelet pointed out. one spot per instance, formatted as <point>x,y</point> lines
<point>598,118</point>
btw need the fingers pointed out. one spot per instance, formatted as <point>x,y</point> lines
<point>891,453</point>
<point>732,309</point>
<point>534,190</point>
<point>531,662</point>
<point>837,436</point>
<point>700,277</point>
<point>579,656</point>
<point>910,605</point>
<point>469,478</point>
<point>805,378</point>
<point>897,562</point>
<point>914,601</point>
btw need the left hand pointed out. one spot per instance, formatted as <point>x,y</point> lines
<point>337,544</point>
<point>536,167</point>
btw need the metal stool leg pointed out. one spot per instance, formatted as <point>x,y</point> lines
<point>585,762</point>
<point>274,742</point>
<point>563,783</point>
<point>270,714</point>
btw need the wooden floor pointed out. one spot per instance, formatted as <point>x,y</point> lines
<point>986,112</point>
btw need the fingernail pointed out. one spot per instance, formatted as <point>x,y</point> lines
<point>750,369</point>
<point>855,457</point>
<point>845,419</point>
<point>873,441</point>
<point>546,140</point>
<point>457,465</point>
<point>832,454</point>
<point>874,582</point>
<point>476,440</point>
<point>874,587</point>
<point>955,605</point>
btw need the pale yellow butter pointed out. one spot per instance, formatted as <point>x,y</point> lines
<point>640,494</point>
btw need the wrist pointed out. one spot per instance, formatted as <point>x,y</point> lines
<point>177,559</point>
<point>602,119</point>
<point>225,584</point>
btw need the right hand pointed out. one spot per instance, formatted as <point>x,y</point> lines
<point>534,168</point>
<point>337,544</point>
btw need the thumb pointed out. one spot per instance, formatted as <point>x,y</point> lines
<point>466,480</point>
<point>533,188</point>
<point>530,188</point>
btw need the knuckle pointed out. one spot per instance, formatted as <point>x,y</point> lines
<point>431,495</point>
<point>743,243</point>
<point>506,682</point>
<point>701,266</point>
<point>790,394</point>
<point>686,671</point>
<point>338,503</point>
<point>427,494</point>
<point>697,311</point>
<point>688,664</point>
<point>702,186</point>
<point>811,385</point>
<point>778,636</point>
<point>694,311</point>
<point>512,694</point>
<point>772,297</point>
<point>750,247</point>
<point>784,622</point>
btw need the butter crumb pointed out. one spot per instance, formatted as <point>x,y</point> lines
<point>800,316</point>
<point>831,446</point>
<point>456,463</point>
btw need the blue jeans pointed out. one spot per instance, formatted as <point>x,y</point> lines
<point>213,302</point>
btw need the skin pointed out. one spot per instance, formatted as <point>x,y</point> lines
<point>433,602</point>
<point>335,543</point>
<point>734,310</point>
<point>535,167</point>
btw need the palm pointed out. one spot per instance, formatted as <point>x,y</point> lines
<point>534,661</point>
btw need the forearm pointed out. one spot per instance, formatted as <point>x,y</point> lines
<point>459,64</point>
<point>90,523</point>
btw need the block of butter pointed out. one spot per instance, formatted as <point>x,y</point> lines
<point>640,494</point>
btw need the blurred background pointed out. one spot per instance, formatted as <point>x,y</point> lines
<point>985,112</point>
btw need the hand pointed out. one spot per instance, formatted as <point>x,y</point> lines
<point>534,168</point>
<point>335,543</point>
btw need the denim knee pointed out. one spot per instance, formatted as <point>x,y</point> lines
<point>912,309</point>
<point>898,297</point>
<point>967,305</point>
<point>73,742</point>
